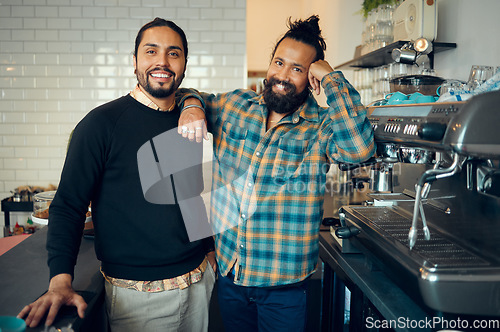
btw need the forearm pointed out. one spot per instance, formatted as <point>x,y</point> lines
<point>185,96</point>
<point>208,102</point>
<point>70,204</point>
<point>351,132</point>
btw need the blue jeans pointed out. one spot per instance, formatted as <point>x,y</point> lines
<point>261,308</point>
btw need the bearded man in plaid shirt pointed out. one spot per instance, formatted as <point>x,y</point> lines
<point>271,155</point>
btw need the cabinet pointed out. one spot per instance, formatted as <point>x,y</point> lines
<point>9,206</point>
<point>375,298</point>
<point>382,56</point>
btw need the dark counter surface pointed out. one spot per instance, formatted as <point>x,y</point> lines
<point>25,276</point>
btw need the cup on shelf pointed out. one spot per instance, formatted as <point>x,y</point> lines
<point>395,98</point>
<point>428,71</point>
<point>425,99</point>
<point>451,85</point>
<point>413,97</point>
<point>478,75</point>
<point>398,69</point>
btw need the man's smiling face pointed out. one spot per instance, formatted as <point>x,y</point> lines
<point>287,76</point>
<point>160,62</point>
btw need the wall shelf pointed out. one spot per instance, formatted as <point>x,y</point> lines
<point>382,56</point>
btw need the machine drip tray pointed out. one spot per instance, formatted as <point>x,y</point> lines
<point>436,252</point>
<point>443,273</point>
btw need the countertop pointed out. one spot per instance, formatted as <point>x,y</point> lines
<point>25,277</point>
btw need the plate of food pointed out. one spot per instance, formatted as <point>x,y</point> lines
<point>44,221</point>
<point>38,220</point>
<point>41,204</point>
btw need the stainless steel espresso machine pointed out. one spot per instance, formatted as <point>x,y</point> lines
<point>437,232</point>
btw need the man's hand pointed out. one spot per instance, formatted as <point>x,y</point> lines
<point>60,293</point>
<point>212,261</point>
<point>317,70</point>
<point>192,122</point>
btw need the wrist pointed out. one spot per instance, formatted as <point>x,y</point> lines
<point>61,280</point>
<point>188,96</point>
<point>193,106</point>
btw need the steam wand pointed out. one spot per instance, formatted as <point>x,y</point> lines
<point>427,178</point>
<point>425,189</point>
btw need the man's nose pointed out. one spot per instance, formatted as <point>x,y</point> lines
<point>163,60</point>
<point>283,75</point>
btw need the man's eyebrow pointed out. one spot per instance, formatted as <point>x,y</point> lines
<point>295,64</point>
<point>172,47</point>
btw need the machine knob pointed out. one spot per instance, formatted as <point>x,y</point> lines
<point>349,167</point>
<point>331,221</point>
<point>346,232</point>
<point>431,131</point>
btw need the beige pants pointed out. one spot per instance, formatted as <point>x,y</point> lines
<point>173,310</point>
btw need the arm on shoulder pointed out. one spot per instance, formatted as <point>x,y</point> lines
<point>192,121</point>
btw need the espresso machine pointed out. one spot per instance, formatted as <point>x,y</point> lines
<point>436,233</point>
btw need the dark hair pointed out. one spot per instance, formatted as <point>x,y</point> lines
<point>307,32</point>
<point>160,22</point>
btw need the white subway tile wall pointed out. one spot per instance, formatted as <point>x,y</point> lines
<point>61,58</point>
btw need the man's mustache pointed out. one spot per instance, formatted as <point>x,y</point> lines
<point>273,81</point>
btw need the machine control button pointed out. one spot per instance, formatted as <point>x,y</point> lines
<point>413,130</point>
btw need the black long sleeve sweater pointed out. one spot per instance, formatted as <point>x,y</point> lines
<point>134,239</point>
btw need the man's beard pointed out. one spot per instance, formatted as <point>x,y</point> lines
<point>163,91</point>
<point>283,103</point>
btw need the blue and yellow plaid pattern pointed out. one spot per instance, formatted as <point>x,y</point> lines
<point>271,183</point>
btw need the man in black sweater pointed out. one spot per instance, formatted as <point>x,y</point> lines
<point>156,278</point>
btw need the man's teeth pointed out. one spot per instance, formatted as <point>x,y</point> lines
<point>160,75</point>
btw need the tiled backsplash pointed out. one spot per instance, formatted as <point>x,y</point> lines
<point>60,58</point>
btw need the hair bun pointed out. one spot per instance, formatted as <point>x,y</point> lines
<point>307,32</point>
<point>311,25</point>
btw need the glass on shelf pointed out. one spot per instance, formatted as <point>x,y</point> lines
<point>478,75</point>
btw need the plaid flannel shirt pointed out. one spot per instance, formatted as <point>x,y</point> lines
<point>271,184</point>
